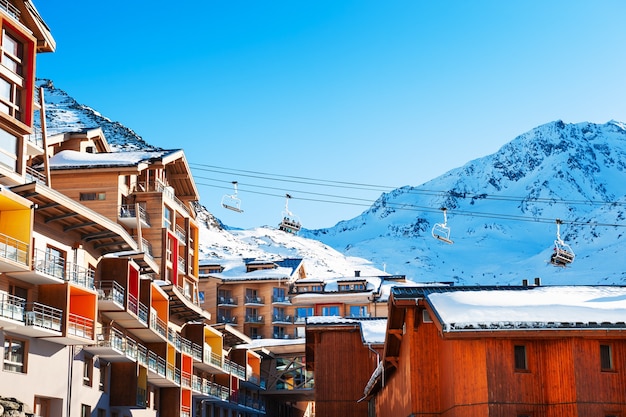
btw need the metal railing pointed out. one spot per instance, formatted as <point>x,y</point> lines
<point>80,326</point>
<point>12,307</point>
<point>229,301</point>
<point>158,325</point>
<point>111,290</point>
<point>49,264</point>
<point>282,318</point>
<point>255,300</point>
<point>13,249</point>
<point>43,316</point>
<point>129,211</point>
<point>10,9</point>
<point>281,299</point>
<point>181,234</point>
<point>182,265</point>
<point>32,175</point>
<point>255,319</point>
<point>80,275</point>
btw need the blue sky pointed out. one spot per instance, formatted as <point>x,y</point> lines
<point>356,96</point>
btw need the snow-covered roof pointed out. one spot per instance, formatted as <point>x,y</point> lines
<point>237,270</point>
<point>541,307</point>
<point>69,159</point>
<point>373,330</point>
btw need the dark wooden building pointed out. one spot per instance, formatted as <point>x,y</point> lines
<point>503,351</point>
<point>343,353</point>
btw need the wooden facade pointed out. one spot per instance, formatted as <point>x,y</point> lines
<point>548,371</point>
<point>342,363</point>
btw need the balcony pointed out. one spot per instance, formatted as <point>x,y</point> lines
<point>226,301</point>
<point>110,296</point>
<point>180,343</point>
<point>10,9</point>
<point>281,300</point>
<point>13,254</point>
<point>282,319</point>
<point>159,187</point>
<point>80,275</point>
<point>130,214</point>
<point>207,388</point>
<point>34,141</point>
<point>209,361</point>
<point>158,326</point>
<point>255,300</point>
<point>160,373</point>
<point>182,265</point>
<point>181,235</point>
<point>112,346</point>
<point>80,326</point>
<point>125,310</point>
<point>234,369</point>
<point>255,320</point>
<point>32,175</point>
<point>29,319</point>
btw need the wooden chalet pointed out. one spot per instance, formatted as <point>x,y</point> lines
<point>503,351</point>
<point>343,353</point>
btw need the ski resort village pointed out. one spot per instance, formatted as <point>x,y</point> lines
<point>121,295</point>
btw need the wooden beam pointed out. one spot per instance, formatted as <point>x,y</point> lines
<point>61,217</point>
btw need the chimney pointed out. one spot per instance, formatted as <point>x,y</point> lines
<point>357,273</point>
<point>525,282</point>
<point>537,281</point>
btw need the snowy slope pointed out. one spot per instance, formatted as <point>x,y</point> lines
<point>501,210</point>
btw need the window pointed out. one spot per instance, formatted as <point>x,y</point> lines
<point>12,53</point>
<point>85,410</point>
<point>87,370</point>
<point>358,311</point>
<point>254,333</point>
<point>8,142</point>
<point>92,196</point>
<point>278,295</point>
<point>201,297</point>
<point>426,317</point>
<point>279,314</point>
<point>317,288</point>
<point>330,311</point>
<point>520,358</point>
<point>303,312</point>
<point>102,383</point>
<point>279,332</point>
<point>55,262</point>
<point>168,217</point>
<point>14,355</point>
<point>606,357</point>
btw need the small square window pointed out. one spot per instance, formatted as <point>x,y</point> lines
<point>606,357</point>
<point>520,358</point>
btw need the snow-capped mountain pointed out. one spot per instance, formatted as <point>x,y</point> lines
<point>501,211</point>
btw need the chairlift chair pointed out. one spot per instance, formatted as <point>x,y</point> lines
<point>289,222</point>
<point>563,254</point>
<point>441,231</point>
<point>231,202</point>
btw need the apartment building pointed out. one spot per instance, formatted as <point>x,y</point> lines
<point>99,308</point>
<point>272,298</point>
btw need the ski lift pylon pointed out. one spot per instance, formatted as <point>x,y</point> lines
<point>441,231</point>
<point>231,201</point>
<point>289,222</point>
<point>563,254</point>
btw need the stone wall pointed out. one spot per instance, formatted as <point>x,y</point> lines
<point>11,407</point>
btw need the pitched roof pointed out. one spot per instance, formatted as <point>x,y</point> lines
<point>523,307</point>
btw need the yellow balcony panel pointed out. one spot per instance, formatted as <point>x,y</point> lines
<point>16,219</point>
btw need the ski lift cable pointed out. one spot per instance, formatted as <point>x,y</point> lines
<point>411,190</point>
<point>416,208</point>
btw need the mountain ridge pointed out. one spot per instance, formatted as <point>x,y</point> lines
<point>501,210</point>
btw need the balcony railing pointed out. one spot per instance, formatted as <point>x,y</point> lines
<point>49,264</point>
<point>32,175</point>
<point>43,316</point>
<point>13,249</point>
<point>12,307</point>
<point>146,246</point>
<point>80,275</point>
<point>181,234</point>
<point>173,373</point>
<point>111,337</point>
<point>282,318</point>
<point>80,326</point>
<point>281,299</point>
<point>185,378</point>
<point>227,301</point>
<point>180,343</point>
<point>158,186</point>
<point>255,319</point>
<point>234,368</point>
<point>129,211</point>
<point>215,359</point>
<point>158,325</point>
<point>138,309</point>
<point>196,351</point>
<point>111,290</point>
<point>255,300</point>
<point>182,265</point>
<point>10,9</point>
<point>156,364</point>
